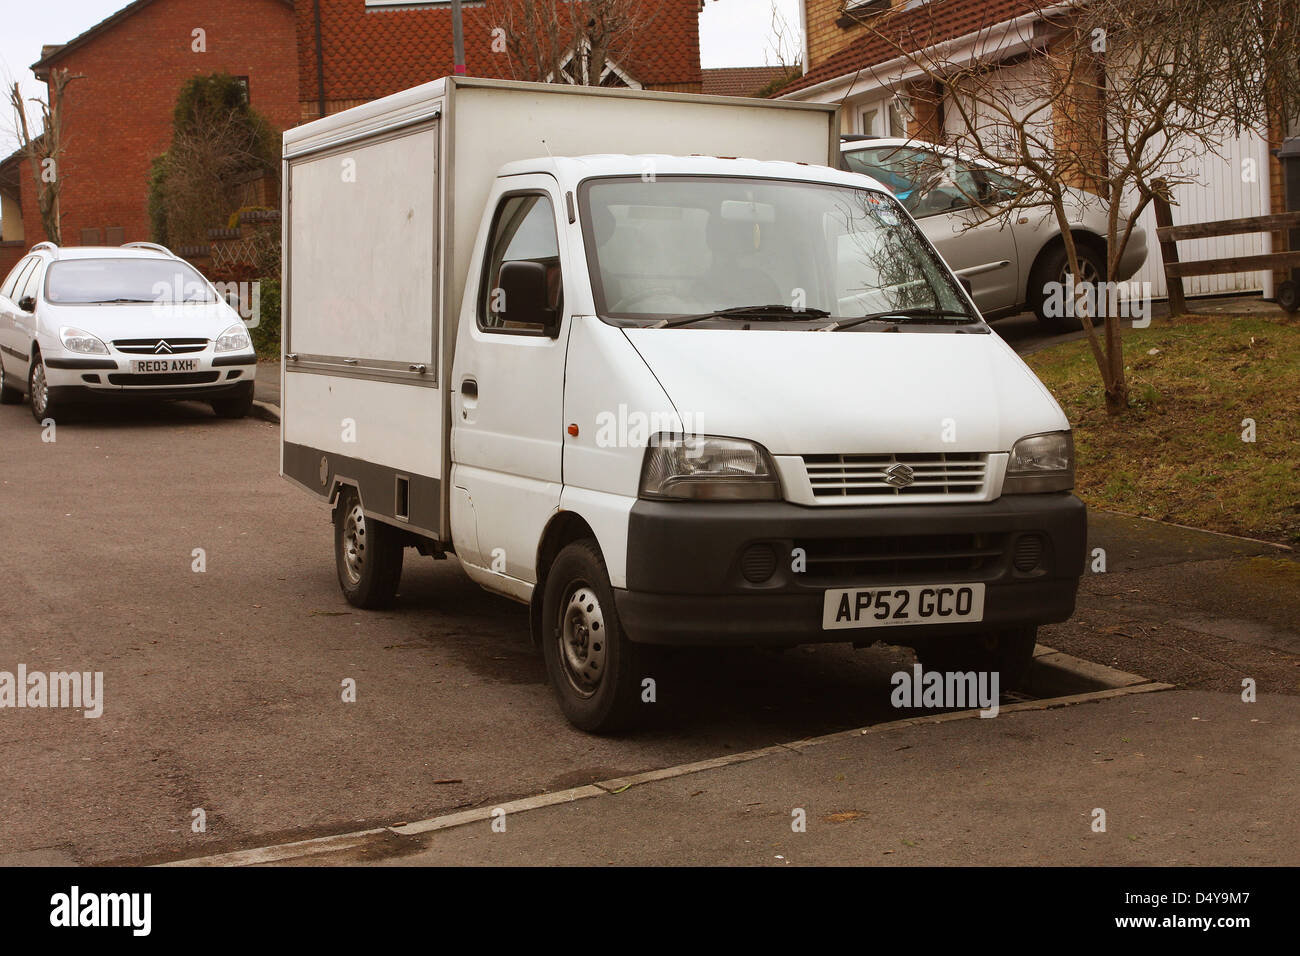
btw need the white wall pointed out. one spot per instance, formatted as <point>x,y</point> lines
<point>1218,193</point>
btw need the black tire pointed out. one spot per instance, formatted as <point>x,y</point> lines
<point>1008,652</point>
<point>43,405</point>
<point>237,405</point>
<point>1054,266</point>
<point>367,555</point>
<point>8,394</point>
<point>595,669</point>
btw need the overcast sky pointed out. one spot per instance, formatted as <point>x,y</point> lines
<point>732,33</point>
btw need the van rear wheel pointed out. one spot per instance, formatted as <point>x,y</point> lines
<point>595,670</point>
<point>367,554</point>
<point>1008,652</point>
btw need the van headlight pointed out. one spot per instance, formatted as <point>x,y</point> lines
<point>75,340</point>
<point>1041,463</point>
<point>234,339</point>
<point>704,467</point>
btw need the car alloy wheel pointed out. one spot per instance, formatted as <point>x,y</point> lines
<point>39,389</point>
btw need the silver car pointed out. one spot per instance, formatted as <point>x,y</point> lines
<point>1009,268</point>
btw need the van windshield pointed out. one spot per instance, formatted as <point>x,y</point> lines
<point>764,249</point>
<point>124,280</point>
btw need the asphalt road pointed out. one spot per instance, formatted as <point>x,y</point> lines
<point>223,689</point>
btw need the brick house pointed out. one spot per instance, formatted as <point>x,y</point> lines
<point>849,62</point>
<point>118,117</point>
<point>354,51</point>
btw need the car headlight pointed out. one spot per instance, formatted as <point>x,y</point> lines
<point>75,340</point>
<point>1041,463</point>
<point>710,468</point>
<point>234,339</point>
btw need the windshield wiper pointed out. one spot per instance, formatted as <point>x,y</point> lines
<point>745,311</point>
<point>115,301</point>
<point>898,317</point>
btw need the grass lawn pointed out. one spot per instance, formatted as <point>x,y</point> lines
<point>1178,454</point>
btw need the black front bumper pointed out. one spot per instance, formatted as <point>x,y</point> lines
<point>687,565</point>
<point>85,395</point>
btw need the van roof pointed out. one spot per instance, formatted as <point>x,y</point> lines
<point>570,170</point>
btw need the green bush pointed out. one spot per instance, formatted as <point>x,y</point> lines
<point>266,337</point>
<point>218,141</point>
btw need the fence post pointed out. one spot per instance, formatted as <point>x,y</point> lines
<point>1168,248</point>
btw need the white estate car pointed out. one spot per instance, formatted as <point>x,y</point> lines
<point>90,323</point>
<point>1007,267</point>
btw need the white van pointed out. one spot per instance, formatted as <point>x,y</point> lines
<point>661,396</point>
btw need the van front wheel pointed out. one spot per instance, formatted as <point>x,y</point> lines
<point>367,554</point>
<point>595,670</point>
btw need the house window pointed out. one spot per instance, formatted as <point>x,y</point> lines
<point>90,237</point>
<point>115,236</point>
<point>248,93</point>
<point>885,119</point>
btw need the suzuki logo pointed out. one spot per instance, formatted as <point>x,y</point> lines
<point>899,475</point>
<point>162,348</point>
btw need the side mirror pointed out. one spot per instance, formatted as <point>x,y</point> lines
<point>27,303</point>
<point>523,289</point>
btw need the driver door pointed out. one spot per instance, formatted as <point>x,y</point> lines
<point>508,381</point>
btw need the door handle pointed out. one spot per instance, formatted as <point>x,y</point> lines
<point>469,388</point>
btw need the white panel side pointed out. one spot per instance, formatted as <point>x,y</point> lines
<point>396,426</point>
<point>361,276</point>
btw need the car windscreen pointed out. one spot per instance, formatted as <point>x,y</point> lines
<point>929,183</point>
<point>681,246</point>
<point>125,280</point>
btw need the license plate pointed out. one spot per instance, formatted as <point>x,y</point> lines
<point>900,606</point>
<point>165,365</point>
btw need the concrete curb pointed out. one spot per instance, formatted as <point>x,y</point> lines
<point>1115,683</point>
<point>266,412</point>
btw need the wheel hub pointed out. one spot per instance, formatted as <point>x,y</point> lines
<point>354,543</point>
<point>582,640</point>
<point>39,390</point>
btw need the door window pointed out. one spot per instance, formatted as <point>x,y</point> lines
<point>31,283</point>
<point>523,231</point>
<point>13,282</point>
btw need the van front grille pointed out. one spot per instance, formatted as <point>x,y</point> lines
<point>897,559</point>
<point>896,476</point>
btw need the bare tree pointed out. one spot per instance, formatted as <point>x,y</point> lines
<point>784,43</point>
<point>44,152</point>
<point>568,41</point>
<point>1113,97</point>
